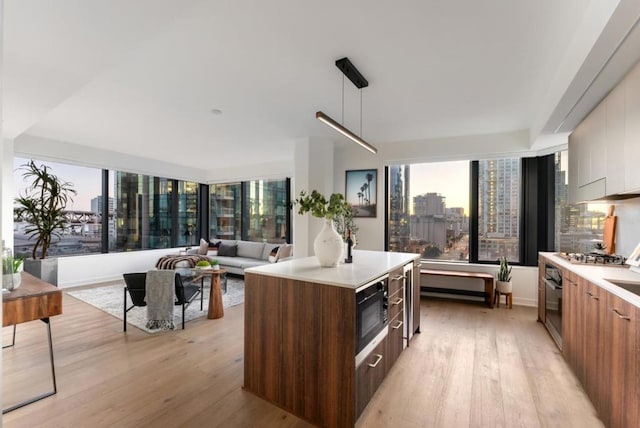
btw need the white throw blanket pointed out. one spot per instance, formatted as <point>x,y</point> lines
<point>160,289</point>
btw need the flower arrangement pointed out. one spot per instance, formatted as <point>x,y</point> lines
<point>321,207</point>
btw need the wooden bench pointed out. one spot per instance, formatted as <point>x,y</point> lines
<point>488,293</point>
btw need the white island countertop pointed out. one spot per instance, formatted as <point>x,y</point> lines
<point>366,267</point>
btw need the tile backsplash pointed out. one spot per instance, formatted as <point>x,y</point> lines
<point>628,225</point>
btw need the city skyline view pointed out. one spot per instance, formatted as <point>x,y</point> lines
<point>449,179</point>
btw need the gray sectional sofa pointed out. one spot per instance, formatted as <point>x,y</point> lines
<point>236,256</point>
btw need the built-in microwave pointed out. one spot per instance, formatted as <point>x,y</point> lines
<point>371,312</point>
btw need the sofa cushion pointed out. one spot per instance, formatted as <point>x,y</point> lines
<point>228,250</point>
<point>268,248</point>
<point>252,250</point>
<point>204,247</point>
<point>285,251</point>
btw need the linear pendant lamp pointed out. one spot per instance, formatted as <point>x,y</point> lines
<point>344,131</point>
<point>350,71</point>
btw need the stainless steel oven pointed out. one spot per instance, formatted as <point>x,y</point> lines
<point>371,314</point>
<point>553,301</point>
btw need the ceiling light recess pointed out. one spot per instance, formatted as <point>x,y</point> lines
<point>349,70</point>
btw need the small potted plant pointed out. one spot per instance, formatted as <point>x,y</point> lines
<point>503,282</point>
<point>328,245</point>
<point>215,265</point>
<point>11,268</point>
<point>203,264</point>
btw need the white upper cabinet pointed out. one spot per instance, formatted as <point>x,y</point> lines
<point>632,131</point>
<point>614,140</point>
<point>604,150</point>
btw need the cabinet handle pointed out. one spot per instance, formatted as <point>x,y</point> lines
<point>378,359</point>
<point>399,277</point>
<point>419,265</point>
<point>397,302</point>
<point>622,317</point>
<point>399,325</point>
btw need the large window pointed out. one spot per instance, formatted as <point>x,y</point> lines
<point>140,212</point>
<point>578,226</point>
<point>499,187</point>
<point>188,213</point>
<point>143,214</point>
<point>83,232</point>
<point>430,205</point>
<point>255,210</point>
<point>265,210</point>
<point>428,210</point>
<point>225,211</point>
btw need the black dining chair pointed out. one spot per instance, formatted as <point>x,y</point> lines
<point>136,288</point>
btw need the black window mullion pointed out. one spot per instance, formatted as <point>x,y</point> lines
<point>474,211</point>
<point>105,211</point>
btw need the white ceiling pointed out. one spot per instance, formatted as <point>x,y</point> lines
<point>141,77</point>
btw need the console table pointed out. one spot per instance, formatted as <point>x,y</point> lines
<point>33,300</point>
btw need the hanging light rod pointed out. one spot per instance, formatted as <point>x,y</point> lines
<point>344,131</point>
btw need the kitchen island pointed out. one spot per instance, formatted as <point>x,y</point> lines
<point>300,333</point>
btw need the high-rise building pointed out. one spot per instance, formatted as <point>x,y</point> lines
<point>499,209</point>
<point>96,205</point>
<point>399,236</point>
<point>429,204</point>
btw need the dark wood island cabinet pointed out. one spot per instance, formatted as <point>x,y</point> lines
<point>300,335</point>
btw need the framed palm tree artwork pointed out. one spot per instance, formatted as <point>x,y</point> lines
<point>361,191</point>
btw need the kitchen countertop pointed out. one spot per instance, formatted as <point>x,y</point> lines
<point>598,273</point>
<point>366,267</point>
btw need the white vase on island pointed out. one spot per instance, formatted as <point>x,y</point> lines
<point>328,245</point>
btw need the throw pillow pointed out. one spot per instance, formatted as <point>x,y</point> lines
<point>214,244</point>
<point>204,247</point>
<point>273,255</point>
<point>227,250</point>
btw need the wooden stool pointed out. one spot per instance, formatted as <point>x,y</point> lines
<point>508,299</point>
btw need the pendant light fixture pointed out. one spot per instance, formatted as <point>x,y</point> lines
<point>349,70</point>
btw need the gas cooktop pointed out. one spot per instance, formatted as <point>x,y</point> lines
<point>594,258</point>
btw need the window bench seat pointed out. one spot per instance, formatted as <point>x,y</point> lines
<point>488,293</point>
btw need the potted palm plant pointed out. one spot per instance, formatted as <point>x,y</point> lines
<point>503,282</point>
<point>328,245</point>
<point>42,205</point>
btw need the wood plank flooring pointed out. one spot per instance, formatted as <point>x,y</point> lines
<point>470,367</point>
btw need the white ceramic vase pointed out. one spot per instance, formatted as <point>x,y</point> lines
<point>328,245</point>
<point>504,286</point>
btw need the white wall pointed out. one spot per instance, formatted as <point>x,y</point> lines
<point>313,170</point>
<point>524,279</point>
<point>74,271</point>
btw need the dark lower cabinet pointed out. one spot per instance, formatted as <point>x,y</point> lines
<point>370,374</point>
<point>601,345</point>
<point>394,340</point>
<point>621,364</point>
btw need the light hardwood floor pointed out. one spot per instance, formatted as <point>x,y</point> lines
<point>470,367</point>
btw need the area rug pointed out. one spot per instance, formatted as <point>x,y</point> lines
<point>110,299</point>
